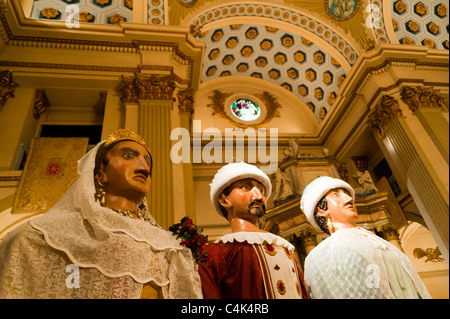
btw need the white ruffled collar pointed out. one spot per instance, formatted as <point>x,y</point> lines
<point>255,238</point>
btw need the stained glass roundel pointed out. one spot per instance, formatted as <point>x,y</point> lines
<point>245,110</point>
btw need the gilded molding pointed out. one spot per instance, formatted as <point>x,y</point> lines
<point>7,87</point>
<point>10,178</point>
<point>88,45</point>
<point>386,111</point>
<point>422,97</point>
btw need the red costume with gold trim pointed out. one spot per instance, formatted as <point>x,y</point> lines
<point>251,265</point>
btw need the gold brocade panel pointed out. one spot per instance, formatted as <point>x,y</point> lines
<point>50,169</point>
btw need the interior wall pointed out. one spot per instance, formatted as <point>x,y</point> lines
<point>415,238</point>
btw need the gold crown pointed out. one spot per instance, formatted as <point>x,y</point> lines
<point>124,135</point>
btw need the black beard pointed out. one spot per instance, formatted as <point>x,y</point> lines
<point>260,211</point>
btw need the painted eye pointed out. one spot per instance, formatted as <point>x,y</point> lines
<point>128,156</point>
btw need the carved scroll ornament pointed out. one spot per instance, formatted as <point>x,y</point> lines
<point>383,114</point>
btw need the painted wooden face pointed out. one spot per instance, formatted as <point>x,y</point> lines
<point>341,206</point>
<point>127,170</point>
<point>247,198</point>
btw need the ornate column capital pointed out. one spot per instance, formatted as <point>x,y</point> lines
<point>186,101</point>
<point>383,114</point>
<point>387,232</point>
<point>147,87</point>
<point>422,97</point>
<point>7,87</point>
<point>306,237</point>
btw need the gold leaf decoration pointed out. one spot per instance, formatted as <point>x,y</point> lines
<point>179,9</point>
<point>348,15</point>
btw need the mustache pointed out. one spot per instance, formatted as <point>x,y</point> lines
<point>259,211</point>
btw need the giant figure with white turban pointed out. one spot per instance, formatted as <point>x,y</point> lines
<point>352,263</point>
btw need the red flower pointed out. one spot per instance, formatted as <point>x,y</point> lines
<point>192,238</point>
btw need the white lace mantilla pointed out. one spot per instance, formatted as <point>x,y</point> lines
<point>256,238</point>
<point>116,254</point>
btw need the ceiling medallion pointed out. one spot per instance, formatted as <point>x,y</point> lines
<point>187,3</point>
<point>341,10</point>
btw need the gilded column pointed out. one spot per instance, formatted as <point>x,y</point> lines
<point>398,142</point>
<point>428,105</point>
<point>186,109</point>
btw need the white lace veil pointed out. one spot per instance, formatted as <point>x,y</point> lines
<point>95,236</point>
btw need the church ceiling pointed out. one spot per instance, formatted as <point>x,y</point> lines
<point>306,46</point>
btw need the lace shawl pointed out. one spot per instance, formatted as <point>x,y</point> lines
<point>95,237</point>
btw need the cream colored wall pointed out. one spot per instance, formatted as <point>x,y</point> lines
<point>295,117</point>
<point>434,274</point>
<point>16,124</point>
<point>214,225</point>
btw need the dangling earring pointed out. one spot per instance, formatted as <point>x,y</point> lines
<point>99,192</point>
<point>330,224</point>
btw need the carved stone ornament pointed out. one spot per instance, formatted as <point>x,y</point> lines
<point>41,103</point>
<point>383,114</point>
<point>186,101</point>
<point>422,97</point>
<point>7,87</point>
<point>146,87</point>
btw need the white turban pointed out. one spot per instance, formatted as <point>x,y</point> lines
<point>231,173</point>
<point>316,190</point>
